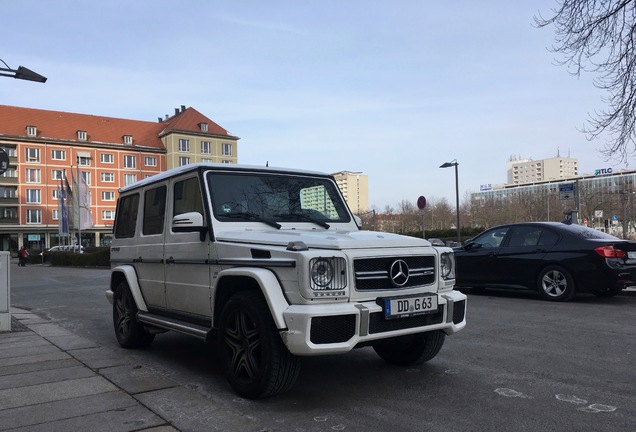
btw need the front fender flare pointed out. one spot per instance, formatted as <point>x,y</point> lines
<point>129,273</point>
<point>270,287</point>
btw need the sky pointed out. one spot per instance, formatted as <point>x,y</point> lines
<point>392,89</point>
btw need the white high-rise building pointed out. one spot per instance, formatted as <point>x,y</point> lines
<point>523,171</point>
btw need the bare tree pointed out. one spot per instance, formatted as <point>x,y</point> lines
<point>600,36</point>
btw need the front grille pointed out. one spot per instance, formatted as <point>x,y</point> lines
<point>332,329</point>
<point>374,273</point>
<point>378,324</point>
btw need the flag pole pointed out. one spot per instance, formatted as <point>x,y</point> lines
<point>79,208</point>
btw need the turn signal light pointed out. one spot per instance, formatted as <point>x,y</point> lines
<point>610,252</point>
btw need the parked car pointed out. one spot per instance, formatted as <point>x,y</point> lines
<point>270,264</point>
<point>556,259</point>
<point>61,248</point>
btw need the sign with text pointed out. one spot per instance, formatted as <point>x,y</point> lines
<point>566,191</point>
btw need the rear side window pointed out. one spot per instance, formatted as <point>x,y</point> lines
<point>127,208</point>
<point>187,197</point>
<point>154,210</point>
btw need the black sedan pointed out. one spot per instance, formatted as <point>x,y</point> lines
<point>556,259</point>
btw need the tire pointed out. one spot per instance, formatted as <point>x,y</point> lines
<point>256,362</point>
<point>411,349</point>
<point>130,332</point>
<point>556,284</point>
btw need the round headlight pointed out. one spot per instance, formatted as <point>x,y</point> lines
<point>322,272</point>
<point>446,263</point>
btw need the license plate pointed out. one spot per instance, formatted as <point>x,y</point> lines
<point>400,307</point>
<point>631,255</point>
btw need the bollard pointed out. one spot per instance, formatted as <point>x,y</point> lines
<point>5,292</point>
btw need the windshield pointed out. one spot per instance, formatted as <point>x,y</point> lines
<point>272,198</point>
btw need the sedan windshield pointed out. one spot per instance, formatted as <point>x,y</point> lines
<point>272,198</point>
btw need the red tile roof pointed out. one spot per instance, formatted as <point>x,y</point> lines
<point>58,125</point>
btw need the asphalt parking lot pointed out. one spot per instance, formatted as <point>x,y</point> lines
<point>521,364</point>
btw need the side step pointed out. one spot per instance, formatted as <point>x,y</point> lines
<point>174,324</point>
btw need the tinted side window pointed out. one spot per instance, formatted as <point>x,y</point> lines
<point>127,208</point>
<point>154,210</point>
<point>525,236</point>
<point>187,197</point>
<point>548,238</point>
<point>491,238</point>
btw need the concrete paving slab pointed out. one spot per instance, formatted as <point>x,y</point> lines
<point>99,357</point>
<point>41,393</point>
<point>160,429</point>
<point>190,411</point>
<point>44,376</point>
<point>36,358</point>
<point>64,409</point>
<point>136,378</point>
<point>28,351</point>
<point>121,420</point>
<point>22,340</point>
<point>37,366</point>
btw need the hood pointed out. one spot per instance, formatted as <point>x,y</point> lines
<point>323,239</point>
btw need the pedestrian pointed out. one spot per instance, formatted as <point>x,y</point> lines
<point>23,254</point>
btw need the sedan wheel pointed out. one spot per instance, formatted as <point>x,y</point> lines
<point>556,284</point>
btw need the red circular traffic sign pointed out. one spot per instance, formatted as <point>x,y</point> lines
<point>421,202</point>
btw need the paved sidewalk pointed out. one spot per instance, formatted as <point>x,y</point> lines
<point>52,380</point>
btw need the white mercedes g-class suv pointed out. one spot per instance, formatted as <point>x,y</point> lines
<point>271,265</point>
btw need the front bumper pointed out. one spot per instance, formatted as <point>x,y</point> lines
<point>338,328</point>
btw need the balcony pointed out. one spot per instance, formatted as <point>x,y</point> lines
<point>8,180</point>
<point>8,221</point>
<point>10,200</point>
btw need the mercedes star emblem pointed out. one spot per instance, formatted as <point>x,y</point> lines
<point>399,273</point>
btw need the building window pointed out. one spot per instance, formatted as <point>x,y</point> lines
<point>108,214</point>
<point>55,194</point>
<point>206,160</point>
<point>107,158</point>
<point>128,139</point>
<point>81,135</point>
<point>34,216</point>
<point>130,161</point>
<point>184,145</point>
<point>108,177</point>
<point>57,175</point>
<point>58,154</point>
<point>33,196</point>
<point>226,161</point>
<point>226,149</point>
<point>32,155</point>
<point>129,179</point>
<point>86,176</point>
<point>55,215</point>
<point>32,175</point>
<point>206,147</point>
<point>203,126</point>
<point>31,131</point>
<point>84,160</point>
<point>108,196</point>
<point>150,161</point>
<point>184,161</point>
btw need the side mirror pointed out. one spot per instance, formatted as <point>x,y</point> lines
<point>189,222</point>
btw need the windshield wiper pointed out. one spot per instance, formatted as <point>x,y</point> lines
<point>254,217</point>
<point>303,217</point>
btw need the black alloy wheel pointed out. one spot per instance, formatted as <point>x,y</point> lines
<point>257,364</point>
<point>130,332</point>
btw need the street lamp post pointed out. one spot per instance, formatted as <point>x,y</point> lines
<point>21,73</point>
<point>455,164</point>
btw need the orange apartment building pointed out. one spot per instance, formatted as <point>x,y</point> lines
<point>108,153</point>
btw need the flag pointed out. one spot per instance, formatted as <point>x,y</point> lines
<point>62,210</point>
<point>81,203</point>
